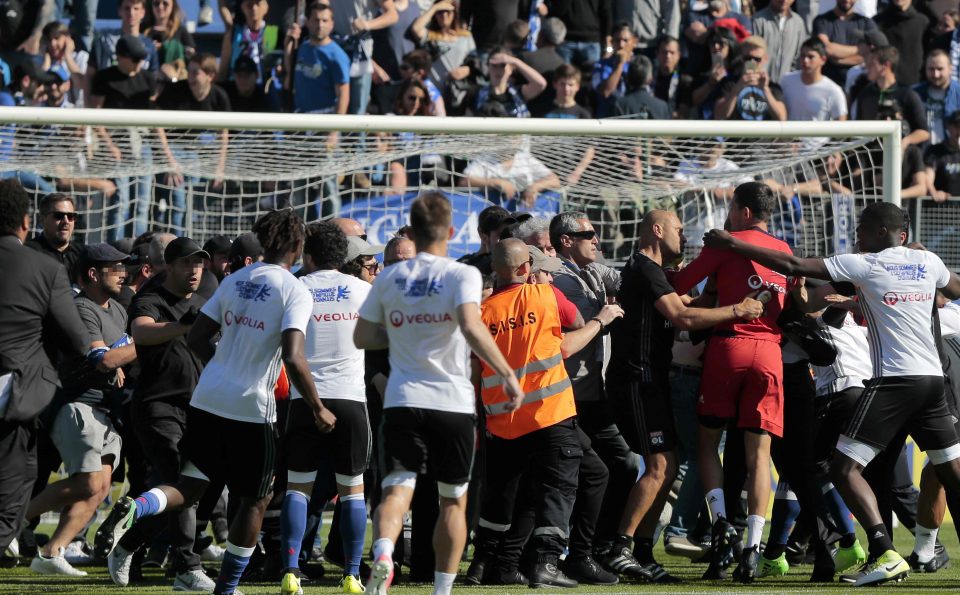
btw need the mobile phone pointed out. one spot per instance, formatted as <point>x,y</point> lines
<point>716,59</point>
<point>751,66</point>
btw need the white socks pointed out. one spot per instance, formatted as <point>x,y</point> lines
<point>754,530</point>
<point>443,583</point>
<point>718,508</point>
<point>926,542</point>
<point>382,547</point>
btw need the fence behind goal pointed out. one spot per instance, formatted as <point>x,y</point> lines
<point>204,174</point>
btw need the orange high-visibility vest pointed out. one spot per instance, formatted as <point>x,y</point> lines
<point>524,321</point>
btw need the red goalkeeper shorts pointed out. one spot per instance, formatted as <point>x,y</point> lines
<point>743,380</point>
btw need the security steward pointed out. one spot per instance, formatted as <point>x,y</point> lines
<point>541,437</point>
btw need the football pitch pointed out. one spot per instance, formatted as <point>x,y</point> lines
<point>22,580</point>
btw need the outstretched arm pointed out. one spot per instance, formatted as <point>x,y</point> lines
<point>781,262</point>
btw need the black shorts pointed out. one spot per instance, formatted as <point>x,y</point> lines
<point>426,441</point>
<point>347,446</point>
<point>240,454</point>
<point>890,405</point>
<point>644,414</point>
<point>834,412</point>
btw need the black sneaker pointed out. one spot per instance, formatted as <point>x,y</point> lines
<point>477,570</point>
<point>656,573</point>
<point>746,570</point>
<point>940,560</point>
<point>622,562</point>
<point>799,553</point>
<point>547,574</point>
<point>586,571</point>
<point>722,538</point>
<point>505,577</point>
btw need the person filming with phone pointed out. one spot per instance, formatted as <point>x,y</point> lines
<point>748,93</point>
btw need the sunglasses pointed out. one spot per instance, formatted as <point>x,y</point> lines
<point>372,268</point>
<point>752,59</point>
<point>415,98</point>
<point>588,234</point>
<point>61,215</point>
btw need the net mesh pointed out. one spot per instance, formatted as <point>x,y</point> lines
<point>203,183</point>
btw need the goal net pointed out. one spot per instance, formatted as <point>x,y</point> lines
<point>204,174</point>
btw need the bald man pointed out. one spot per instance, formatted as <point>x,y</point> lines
<point>638,382</point>
<point>397,250</point>
<point>525,321</point>
<point>350,227</point>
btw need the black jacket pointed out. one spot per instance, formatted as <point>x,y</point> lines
<point>35,297</point>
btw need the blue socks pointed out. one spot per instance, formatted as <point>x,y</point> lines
<point>235,561</point>
<point>353,530</point>
<point>838,509</point>
<point>293,524</point>
<point>785,513</point>
<point>149,503</point>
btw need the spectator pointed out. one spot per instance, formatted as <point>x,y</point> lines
<point>835,29</point>
<point>57,88</point>
<point>948,21</point>
<point>218,265</point>
<point>21,26</point>
<point>784,31</point>
<point>127,86</point>
<point>940,95</point>
<point>413,99</point>
<point>417,64</point>
<point>608,73</point>
<point>906,28</point>
<point>501,67</point>
<point>321,75</point>
<point>724,51</point>
<point>649,21</point>
<point>639,103</point>
<point>197,93</point>
<point>58,217</point>
<point>515,37</point>
<point>717,14</point>
<point>489,19</point>
<point>750,95</point>
<point>441,31</point>
<point>913,181</point>
<point>244,93</point>
<point>516,181</point>
<point>588,25</point>
<point>545,59</point>
<point>866,44</point>
<point>392,43</point>
<point>166,27</point>
<point>808,94</point>
<point>670,84</point>
<point>881,70</point>
<point>353,24</point>
<point>103,54</point>
<point>253,38</point>
<point>566,85</point>
<point>942,162</point>
<point>59,51</point>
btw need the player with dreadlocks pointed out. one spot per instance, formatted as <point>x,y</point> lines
<point>262,312</point>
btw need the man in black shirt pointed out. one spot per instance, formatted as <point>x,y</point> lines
<point>638,380</point>
<point>835,29</point>
<point>906,28</point>
<point>943,162</point>
<point>489,223</point>
<point>58,213</point>
<point>639,103</point>
<point>881,67</point>
<point>670,83</point>
<point>160,320</point>
<point>243,92</point>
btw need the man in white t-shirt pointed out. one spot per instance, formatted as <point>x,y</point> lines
<point>896,288</point>
<point>337,368</point>
<point>809,95</point>
<point>427,311</point>
<point>261,313</point>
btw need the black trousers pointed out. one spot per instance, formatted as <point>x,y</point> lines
<point>18,470</point>
<point>599,423</point>
<point>160,428</point>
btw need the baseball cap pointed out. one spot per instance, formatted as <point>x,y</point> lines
<point>245,64</point>
<point>131,47</point>
<point>59,73</point>
<point>246,245</point>
<point>357,247</point>
<point>542,262</point>
<point>92,254</point>
<point>217,245</point>
<point>182,248</point>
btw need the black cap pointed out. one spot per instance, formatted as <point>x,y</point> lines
<point>132,47</point>
<point>124,245</point>
<point>182,248</point>
<point>245,64</point>
<point>246,245</point>
<point>217,245</point>
<point>93,254</point>
<point>32,69</point>
<point>139,255</point>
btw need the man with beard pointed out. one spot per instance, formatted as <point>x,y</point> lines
<point>58,213</point>
<point>161,317</point>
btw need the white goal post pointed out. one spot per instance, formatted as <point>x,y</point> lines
<point>119,163</point>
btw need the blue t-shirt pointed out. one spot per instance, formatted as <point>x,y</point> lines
<point>318,71</point>
<point>601,72</point>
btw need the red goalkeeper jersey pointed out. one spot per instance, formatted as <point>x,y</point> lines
<point>738,277</point>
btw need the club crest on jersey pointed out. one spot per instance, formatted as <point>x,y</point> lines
<point>892,298</point>
<point>330,294</point>
<point>907,272</point>
<point>257,292</point>
<point>424,287</point>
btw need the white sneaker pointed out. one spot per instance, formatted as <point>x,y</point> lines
<point>212,553</point>
<point>13,550</point>
<point>54,565</point>
<point>194,580</point>
<point>118,564</point>
<point>76,555</point>
<point>205,17</point>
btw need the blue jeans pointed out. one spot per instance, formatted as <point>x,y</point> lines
<point>685,390</point>
<point>177,209</point>
<point>82,24</point>
<point>579,52</point>
<point>30,181</point>
<point>360,93</point>
<point>142,200</point>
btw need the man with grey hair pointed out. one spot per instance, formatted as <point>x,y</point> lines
<point>639,103</point>
<point>545,58</point>
<point>587,284</point>
<point>157,246</point>
<point>536,232</point>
